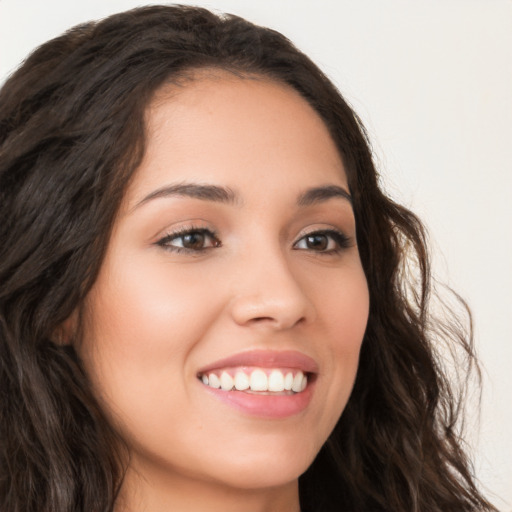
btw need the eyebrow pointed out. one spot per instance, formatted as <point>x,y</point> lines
<point>205,192</point>
<point>226,195</point>
<point>321,194</point>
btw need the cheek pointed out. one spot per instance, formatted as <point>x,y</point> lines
<point>138,332</point>
<point>344,315</point>
<point>143,310</point>
<point>343,306</point>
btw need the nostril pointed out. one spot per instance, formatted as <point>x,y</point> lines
<point>278,321</point>
<point>280,308</point>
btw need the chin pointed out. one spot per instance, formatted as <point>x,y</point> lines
<point>272,468</point>
<point>261,478</point>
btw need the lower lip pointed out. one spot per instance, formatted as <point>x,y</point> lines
<point>265,406</point>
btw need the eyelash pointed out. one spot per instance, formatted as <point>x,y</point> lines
<point>340,239</point>
<point>182,233</point>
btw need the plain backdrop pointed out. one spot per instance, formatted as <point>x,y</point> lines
<point>432,81</point>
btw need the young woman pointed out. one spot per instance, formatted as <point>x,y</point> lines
<point>206,301</point>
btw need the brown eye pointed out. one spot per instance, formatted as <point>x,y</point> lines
<point>193,240</point>
<point>317,242</point>
<point>328,242</point>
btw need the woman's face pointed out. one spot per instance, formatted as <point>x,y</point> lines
<point>233,262</point>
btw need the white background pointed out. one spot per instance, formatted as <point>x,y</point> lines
<point>432,80</point>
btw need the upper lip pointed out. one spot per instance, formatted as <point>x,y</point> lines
<point>266,359</point>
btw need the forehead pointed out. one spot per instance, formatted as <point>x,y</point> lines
<point>220,127</point>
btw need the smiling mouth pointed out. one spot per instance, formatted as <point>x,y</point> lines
<point>262,381</point>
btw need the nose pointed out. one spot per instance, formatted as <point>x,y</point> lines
<point>268,293</point>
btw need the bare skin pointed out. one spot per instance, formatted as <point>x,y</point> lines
<point>264,259</point>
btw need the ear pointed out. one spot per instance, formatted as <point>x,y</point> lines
<point>64,334</point>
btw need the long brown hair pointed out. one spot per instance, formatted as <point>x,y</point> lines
<point>71,135</point>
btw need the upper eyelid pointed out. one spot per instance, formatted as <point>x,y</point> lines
<point>184,230</point>
<point>323,230</point>
<point>187,230</point>
<point>326,231</point>
<point>181,232</point>
<point>213,234</point>
<point>192,229</point>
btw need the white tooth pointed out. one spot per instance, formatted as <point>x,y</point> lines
<point>226,381</point>
<point>288,381</point>
<point>204,378</point>
<point>241,381</point>
<point>297,382</point>
<point>304,383</point>
<point>259,381</point>
<point>213,381</point>
<point>275,381</point>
